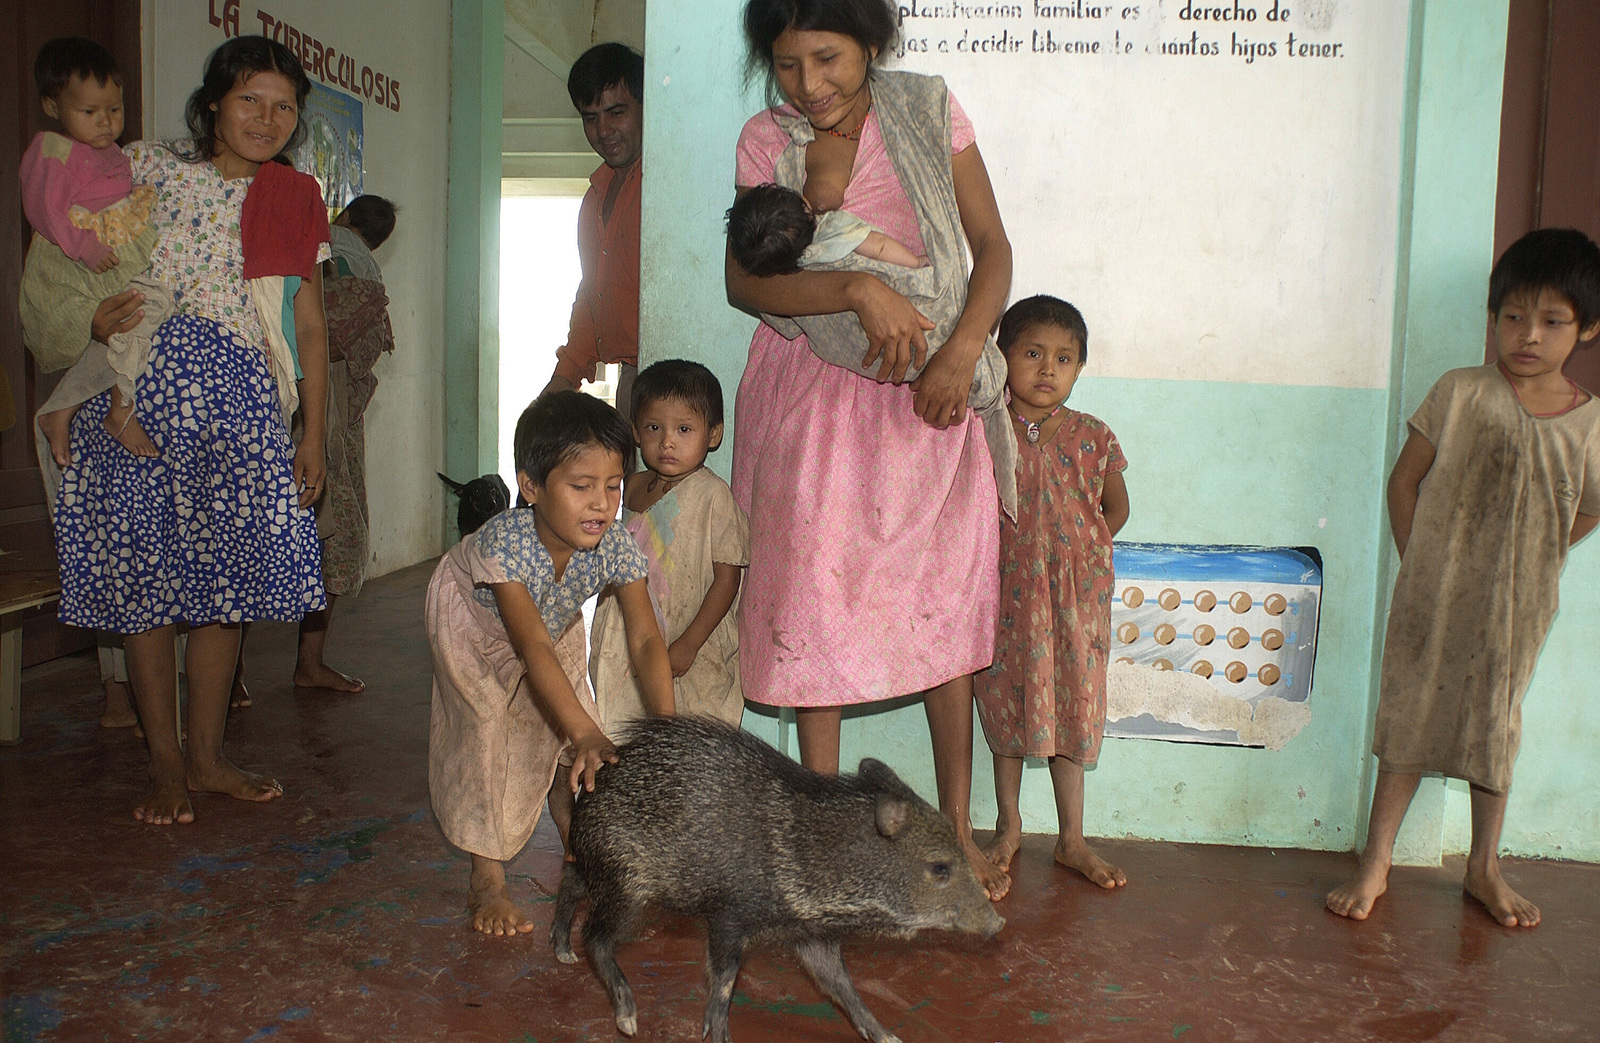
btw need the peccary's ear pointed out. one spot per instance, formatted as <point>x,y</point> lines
<point>892,815</point>
<point>873,772</point>
<point>879,777</point>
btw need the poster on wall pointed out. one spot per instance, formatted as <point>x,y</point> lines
<point>1215,183</point>
<point>331,151</point>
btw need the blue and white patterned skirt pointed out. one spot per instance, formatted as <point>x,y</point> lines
<point>211,530</point>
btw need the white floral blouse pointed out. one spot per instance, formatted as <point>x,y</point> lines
<point>199,252</point>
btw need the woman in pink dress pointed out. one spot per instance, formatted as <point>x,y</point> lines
<point>873,512</point>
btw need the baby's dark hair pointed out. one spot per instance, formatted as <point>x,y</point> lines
<point>769,227</point>
<point>372,218</point>
<point>1562,260</point>
<point>238,58</point>
<point>605,65</point>
<point>66,57</point>
<point>689,382</point>
<point>1043,310</point>
<point>560,425</point>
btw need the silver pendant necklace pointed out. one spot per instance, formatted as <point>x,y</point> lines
<point>1033,428</point>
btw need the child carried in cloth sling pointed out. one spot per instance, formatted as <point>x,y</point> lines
<point>903,102</point>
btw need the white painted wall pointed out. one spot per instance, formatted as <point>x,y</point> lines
<point>404,160</point>
<point>1216,216</point>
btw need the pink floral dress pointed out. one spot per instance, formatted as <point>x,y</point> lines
<point>873,537</point>
<point>1045,695</point>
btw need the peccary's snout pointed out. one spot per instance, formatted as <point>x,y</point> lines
<point>981,920</point>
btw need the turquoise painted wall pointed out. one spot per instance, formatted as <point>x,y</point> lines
<point>472,241</point>
<point>1554,809</point>
<point>695,104</point>
<point>1283,465</point>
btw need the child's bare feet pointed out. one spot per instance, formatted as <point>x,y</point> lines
<point>1076,855</point>
<point>1003,848</point>
<point>124,427</point>
<point>222,777</point>
<point>321,675</point>
<point>996,883</point>
<point>1504,904</point>
<point>493,912</point>
<point>239,699</point>
<point>167,803</point>
<point>57,428</point>
<point>118,712</point>
<point>1355,896</point>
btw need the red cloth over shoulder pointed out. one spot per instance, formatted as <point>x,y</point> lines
<point>283,223</point>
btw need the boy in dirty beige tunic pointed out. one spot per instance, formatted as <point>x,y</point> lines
<point>509,703</point>
<point>1499,476</point>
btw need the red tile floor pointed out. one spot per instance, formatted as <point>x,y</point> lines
<point>337,912</point>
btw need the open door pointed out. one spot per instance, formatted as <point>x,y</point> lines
<point>1550,133</point>
<point>24,520</point>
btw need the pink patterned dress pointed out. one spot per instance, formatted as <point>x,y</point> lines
<point>1045,695</point>
<point>873,537</point>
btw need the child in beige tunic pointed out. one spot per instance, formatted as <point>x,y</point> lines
<point>697,543</point>
<point>508,703</point>
<point>1499,475</point>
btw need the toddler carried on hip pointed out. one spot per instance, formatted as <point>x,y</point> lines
<point>93,235</point>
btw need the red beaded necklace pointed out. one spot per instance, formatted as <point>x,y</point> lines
<point>854,135</point>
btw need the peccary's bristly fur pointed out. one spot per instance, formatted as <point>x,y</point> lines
<point>709,821</point>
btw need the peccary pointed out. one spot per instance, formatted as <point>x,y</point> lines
<point>709,821</point>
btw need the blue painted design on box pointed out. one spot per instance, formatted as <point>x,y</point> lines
<point>1180,561</point>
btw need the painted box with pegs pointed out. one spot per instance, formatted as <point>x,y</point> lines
<point>1241,619</point>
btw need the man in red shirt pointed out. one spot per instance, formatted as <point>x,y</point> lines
<point>607,87</point>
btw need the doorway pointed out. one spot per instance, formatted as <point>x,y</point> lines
<point>539,276</point>
<point>1550,133</point>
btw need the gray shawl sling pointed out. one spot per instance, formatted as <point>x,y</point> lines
<point>914,118</point>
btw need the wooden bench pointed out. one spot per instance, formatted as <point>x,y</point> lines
<point>26,582</point>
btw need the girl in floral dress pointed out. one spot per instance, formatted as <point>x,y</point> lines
<point>216,530</point>
<point>1045,695</point>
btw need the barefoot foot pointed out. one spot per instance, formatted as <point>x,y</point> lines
<point>321,675</point>
<point>222,777</point>
<point>1076,855</point>
<point>239,698</point>
<point>1354,898</point>
<point>1504,904</point>
<point>126,430</point>
<point>1003,848</point>
<point>118,712</point>
<point>996,883</point>
<point>493,912</point>
<point>167,803</point>
<point>57,428</point>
